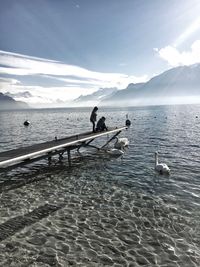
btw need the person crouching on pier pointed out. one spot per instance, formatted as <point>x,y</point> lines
<point>101,126</point>
<point>93,117</point>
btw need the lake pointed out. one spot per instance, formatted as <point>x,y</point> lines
<point>103,211</point>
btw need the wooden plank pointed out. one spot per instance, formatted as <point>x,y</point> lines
<point>20,154</point>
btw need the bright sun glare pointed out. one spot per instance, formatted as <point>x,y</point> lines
<point>188,32</point>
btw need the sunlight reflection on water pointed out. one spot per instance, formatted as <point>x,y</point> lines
<point>107,210</point>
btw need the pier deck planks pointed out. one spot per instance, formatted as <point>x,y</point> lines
<point>23,153</point>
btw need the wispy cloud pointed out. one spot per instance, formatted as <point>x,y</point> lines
<point>24,65</point>
<point>9,81</point>
<point>175,58</point>
<point>76,80</point>
<point>122,64</point>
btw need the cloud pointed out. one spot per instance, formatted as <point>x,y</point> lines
<point>176,58</point>
<point>75,80</point>
<point>9,81</point>
<point>122,64</point>
<point>17,64</point>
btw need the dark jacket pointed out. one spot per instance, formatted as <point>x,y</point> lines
<point>93,116</point>
<point>101,126</point>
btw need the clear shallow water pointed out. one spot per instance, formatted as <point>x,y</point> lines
<point>103,211</point>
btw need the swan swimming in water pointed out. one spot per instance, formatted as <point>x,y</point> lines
<point>121,143</point>
<point>119,147</point>
<point>162,168</point>
<point>115,152</point>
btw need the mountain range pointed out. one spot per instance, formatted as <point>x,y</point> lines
<point>7,102</point>
<point>24,94</point>
<point>96,97</point>
<point>177,84</point>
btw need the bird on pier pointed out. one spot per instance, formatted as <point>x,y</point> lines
<point>128,122</point>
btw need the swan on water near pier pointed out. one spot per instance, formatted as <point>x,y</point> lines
<point>162,168</point>
<point>119,147</point>
<point>115,152</point>
<point>121,143</point>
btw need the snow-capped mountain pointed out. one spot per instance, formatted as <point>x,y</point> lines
<point>7,102</point>
<point>172,86</point>
<point>24,94</point>
<point>96,97</point>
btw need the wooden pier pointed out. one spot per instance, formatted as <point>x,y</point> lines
<point>24,155</point>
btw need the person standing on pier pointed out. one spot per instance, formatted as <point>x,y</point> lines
<point>93,117</point>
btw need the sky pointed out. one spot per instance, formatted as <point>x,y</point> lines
<point>58,50</point>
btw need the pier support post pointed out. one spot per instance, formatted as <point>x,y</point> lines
<point>49,158</point>
<point>69,157</point>
<point>60,156</point>
<point>114,136</point>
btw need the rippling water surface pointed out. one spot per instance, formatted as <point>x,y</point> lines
<point>103,211</point>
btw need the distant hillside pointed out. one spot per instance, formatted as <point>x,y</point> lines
<point>95,97</point>
<point>24,94</point>
<point>121,95</point>
<point>7,102</point>
<point>177,85</point>
<point>178,82</point>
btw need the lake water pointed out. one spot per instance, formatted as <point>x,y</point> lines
<point>103,211</point>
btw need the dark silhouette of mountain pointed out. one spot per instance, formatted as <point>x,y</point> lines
<point>7,102</point>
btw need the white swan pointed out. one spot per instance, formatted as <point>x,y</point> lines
<point>115,152</point>
<point>121,143</point>
<point>162,168</point>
